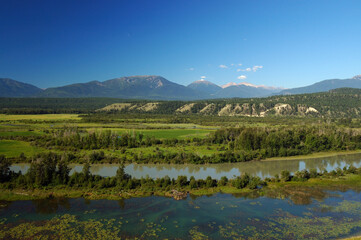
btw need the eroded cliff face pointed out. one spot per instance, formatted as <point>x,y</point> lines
<point>230,109</point>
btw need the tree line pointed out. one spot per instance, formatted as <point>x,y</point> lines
<point>51,170</point>
<point>235,144</point>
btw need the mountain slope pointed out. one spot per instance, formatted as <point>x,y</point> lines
<point>142,87</point>
<point>244,91</point>
<point>12,88</point>
<point>325,86</point>
<point>338,103</point>
<point>159,88</point>
<point>205,87</point>
<point>90,89</point>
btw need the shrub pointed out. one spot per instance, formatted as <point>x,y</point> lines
<point>285,176</point>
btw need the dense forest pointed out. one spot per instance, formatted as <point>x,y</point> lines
<point>344,102</point>
<point>53,105</point>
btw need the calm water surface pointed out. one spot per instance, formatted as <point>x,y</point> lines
<point>256,168</point>
<point>284,214</point>
<point>221,216</point>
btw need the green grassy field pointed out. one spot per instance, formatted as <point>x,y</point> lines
<point>173,133</point>
<point>40,117</point>
<point>30,128</point>
<point>11,148</point>
<point>160,133</point>
<point>314,155</point>
<point>20,133</point>
<point>199,150</point>
<point>12,126</point>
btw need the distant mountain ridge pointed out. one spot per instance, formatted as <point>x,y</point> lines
<point>142,87</point>
<point>244,91</point>
<point>232,90</point>
<point>251,85</point>
<point>325,86</point>
<point>158,88</point>
<point>12,88</point>
<point>205,87</point>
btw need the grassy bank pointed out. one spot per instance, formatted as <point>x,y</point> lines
<point>313,187</point>
<point>314,155</point>
<point>352,238</point>
<point>110,194</point>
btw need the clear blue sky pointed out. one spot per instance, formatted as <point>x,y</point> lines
<point>56,42</point>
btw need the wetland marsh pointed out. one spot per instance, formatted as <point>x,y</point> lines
<point>220,216</point>
<point>155,151</point>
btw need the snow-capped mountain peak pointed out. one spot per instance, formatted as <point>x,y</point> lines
<point>250,85</point>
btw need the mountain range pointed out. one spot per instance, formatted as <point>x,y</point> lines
<point>159,88</point>
<point>325,86</point>
<point>12,88</point>
<point>140,87</point>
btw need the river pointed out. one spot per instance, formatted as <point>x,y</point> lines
<point>262,169</point>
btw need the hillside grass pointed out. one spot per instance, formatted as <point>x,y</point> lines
<point>12,148</point>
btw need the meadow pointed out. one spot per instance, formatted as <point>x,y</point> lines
<point>154,138</point>
<point>39,117</point>
<point>54,141</point>
<point>17,132</point>
<point>11,148</point>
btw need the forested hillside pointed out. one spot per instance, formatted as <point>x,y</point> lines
<point>344,102</point>
<point>338,103</point>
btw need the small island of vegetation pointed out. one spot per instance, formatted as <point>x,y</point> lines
<point>48,177</point>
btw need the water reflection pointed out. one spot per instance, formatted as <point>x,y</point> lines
<point>48,206</point>
<point>262,169</point>
<point>221,216</point>
<point>295,195</point>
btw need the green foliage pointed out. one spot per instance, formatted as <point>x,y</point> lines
<point>53,105</point>
<point>285,176</point>
<point>302,175</point>
<point>13,148</point>
<point>4,169</point>
<point>242,181</point>
<point>44,171</point>
<point>86,171</point>
<point>210,182</point>
<point>223,181</point>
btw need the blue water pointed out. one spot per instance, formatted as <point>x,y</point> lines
<point>312,215</point>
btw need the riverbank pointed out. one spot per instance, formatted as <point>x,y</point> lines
<point>109,194</point>
<point>352,238</point>
<point>276,189</point>
<point>314,155</point>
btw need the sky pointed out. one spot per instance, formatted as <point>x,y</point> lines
<point>288,43</point>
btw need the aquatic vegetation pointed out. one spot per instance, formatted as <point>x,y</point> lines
<point>292,227</point>
<point>265,218</point>
<point>152,231</point>
<point>195,234</point>
<point>63,227</point>
<point>350,207</point>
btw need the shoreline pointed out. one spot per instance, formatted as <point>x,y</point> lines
<point>347,182</point>
<point>290,158</point>
<point>109,194</point>
<point>313,155</point>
